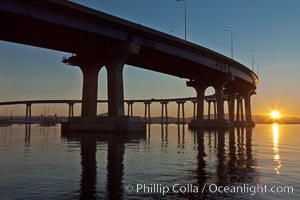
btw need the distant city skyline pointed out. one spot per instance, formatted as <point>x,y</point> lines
<point>269,28</point>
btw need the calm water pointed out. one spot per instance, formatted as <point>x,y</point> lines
<point>42,164</point>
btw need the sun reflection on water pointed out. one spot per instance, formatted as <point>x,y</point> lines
<point>276,148</point>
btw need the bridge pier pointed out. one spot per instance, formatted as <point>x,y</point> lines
<point>215,109</point>
<point>71,109</point>
<point>242,110</point>
<point>180,104</point>
<point>130,108</point>
<point>231,104</point>
<point>113,59</point>
<point>220,102</point>
<point>194,109</point>
<point>243,113</point>
<point>237,117</point>
<point>28,113</point>
<point>147,117</point>
<point>208,112</point>
<point>247,107</point>
<point>90,90</point>
<point>219,121</point>
<point>164,106</point>
<point>115,88</point>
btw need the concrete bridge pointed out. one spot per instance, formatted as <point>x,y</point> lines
<point>210,100</point>
<point>95,39</point>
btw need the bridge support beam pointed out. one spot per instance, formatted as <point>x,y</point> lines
<point>71,110</point>
<point>240,111</point>
<point>220,101</point>
<point>147,117</point>
<point>208,112</point>
<point>215,109</point>
<point>244,115</point>
<point>231,100</point>
<point>114,59</point>
<point>219,119</point>
<point>194,109</point>
<point>180,104</point>
<point>115,88</point>
<point>89,90</point>
<point>164,107</point>
<point>247,102</point>
<point>28,113</point>
<point>237,116</point>
<point>200,89</point>
<point>247,107</point>
<point>130,108</point>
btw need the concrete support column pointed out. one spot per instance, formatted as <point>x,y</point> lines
<point>28,113</point>
<point>164,107</point>
<point>194,109</point>
<point>183,113</point>
<point>200,89</point>
<point>247,107</point>
<point>90,90</point>
<point>180,103</point>
<point>71,110</point>
<point>242,109</point>
<point>237,109</point>
<point>220,101</point>
<point>178,112</point>
<point>130,109</point>
<point>231,108</point>
<point>166,110</point>
<point>115,87</point>
<point>162,113</point>
<point>208,114</point>
<point>147,112</point>
<point>215,109</point>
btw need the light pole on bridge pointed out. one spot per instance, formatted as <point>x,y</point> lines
<point>231,37</point>
<point>184,17</point>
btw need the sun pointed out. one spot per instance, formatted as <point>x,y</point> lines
<point>275,114</point>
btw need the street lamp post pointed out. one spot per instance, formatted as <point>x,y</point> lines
<point>231,36</point>
<point>184,17</point>
<point>252,52</point>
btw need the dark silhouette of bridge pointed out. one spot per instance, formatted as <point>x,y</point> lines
<point>210,100</point>
<point>96,39</point>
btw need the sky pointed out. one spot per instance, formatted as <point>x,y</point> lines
<point>268,27</point>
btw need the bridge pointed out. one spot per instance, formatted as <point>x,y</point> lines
<point>210,100</point>
<point>95,39</point>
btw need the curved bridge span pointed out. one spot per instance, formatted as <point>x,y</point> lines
<point>97,40</point>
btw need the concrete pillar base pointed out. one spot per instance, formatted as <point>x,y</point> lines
<point>244,124</point>
<point>197,123</point>
<point>117,124</point>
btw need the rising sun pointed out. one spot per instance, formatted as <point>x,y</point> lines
<point>275,114</point>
